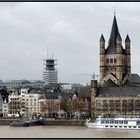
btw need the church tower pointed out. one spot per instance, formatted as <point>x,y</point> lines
<point>115,61</point>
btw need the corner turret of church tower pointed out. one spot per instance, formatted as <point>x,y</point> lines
<point>102,56</point>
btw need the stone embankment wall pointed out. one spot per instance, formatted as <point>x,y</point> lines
<point>6,121</point>
<point>64,122</point>
<point>51,122</point>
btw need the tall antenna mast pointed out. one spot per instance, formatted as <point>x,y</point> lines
<point>52,56</point>
<point>47,53</point>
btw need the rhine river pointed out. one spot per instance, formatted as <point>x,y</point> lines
<point>64,132</point>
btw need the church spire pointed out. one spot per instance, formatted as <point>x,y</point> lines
<point>113,36</point>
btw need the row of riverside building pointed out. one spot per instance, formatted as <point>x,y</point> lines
<point>56,103</point>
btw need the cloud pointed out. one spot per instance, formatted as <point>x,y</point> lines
<point>70,30</point>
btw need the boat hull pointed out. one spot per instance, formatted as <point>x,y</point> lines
<point>95,126</point>
<point>19,124</point>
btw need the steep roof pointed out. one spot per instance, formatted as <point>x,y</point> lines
<point>56,95</point>
<point>109,83</point>
<point>118,91</point>
<point>111,49</point>
<point>130,88</point>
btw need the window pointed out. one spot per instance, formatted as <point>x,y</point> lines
<point>129,126</point>
<point>106,126</point>
<point>120,126</point>
<point>111,60</point>
<point>115,60</point>
<point>107,61</point>
<point>125,126</point>
<point>112,121</point>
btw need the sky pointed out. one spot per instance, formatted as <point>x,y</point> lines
<point>68,30</point>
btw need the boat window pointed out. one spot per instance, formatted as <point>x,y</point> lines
<point>121,122</point>
<point>111,126</point>
<point>125,126</point>
<point>120,126</point>
<point>129,126</point>
<point>115,126</point>
<point>138,122</point>
<point>102,122</point>
<point>138,126</point>
<point>125,122</point>
<point>134,126</point>
<point>106,126</point>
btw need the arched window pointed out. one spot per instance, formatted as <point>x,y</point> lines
<point>111,60</point>
<point>115,61</point>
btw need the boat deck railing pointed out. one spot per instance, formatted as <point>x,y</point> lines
<point>119,116</point>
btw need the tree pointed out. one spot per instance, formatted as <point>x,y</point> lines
<point>63,104</point>
<point>69,107</point>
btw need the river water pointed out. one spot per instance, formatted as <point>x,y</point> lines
<point>64,132</point>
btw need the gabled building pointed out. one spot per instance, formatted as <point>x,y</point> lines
<point>14,104</point>
<point>30,102</point>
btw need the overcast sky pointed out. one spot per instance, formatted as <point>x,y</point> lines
<point>70,31</point>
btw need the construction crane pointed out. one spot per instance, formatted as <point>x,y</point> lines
<point>94,76</point>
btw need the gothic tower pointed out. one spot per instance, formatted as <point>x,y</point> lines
<point>115,61</point>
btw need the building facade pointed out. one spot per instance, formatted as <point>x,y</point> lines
<point>48,107</point>
<point>14,104</point>
<point>22,84</point>
<point>50,72</point>
<point>30,102</point>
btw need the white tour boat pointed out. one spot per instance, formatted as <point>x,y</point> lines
<point>118,122</point>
